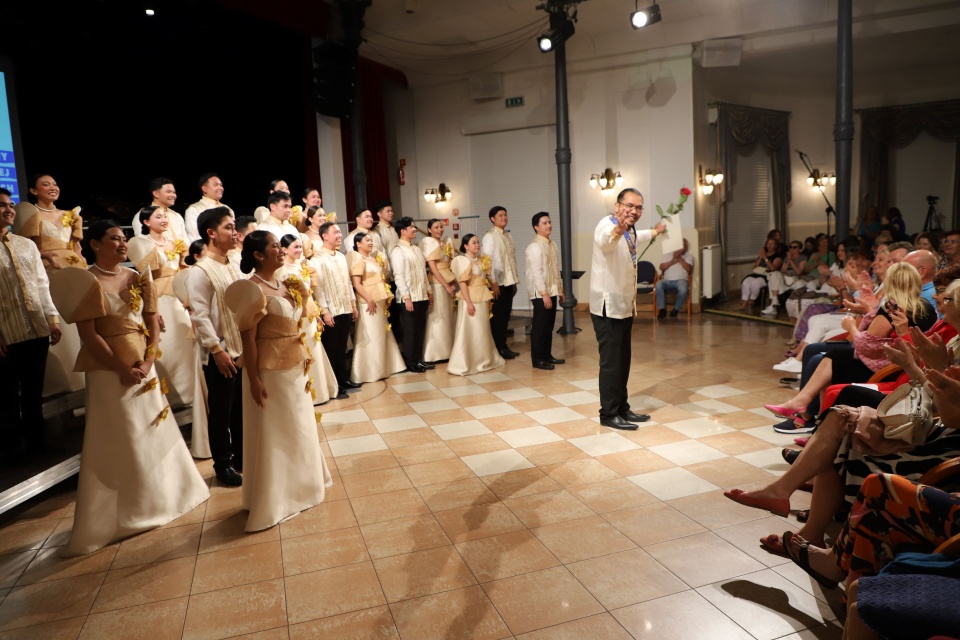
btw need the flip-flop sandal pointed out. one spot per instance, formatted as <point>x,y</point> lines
<point>789,380</point>
<point>803,515</point>
<point>790,455</point>
<point>773,544</point>
<point>803,561</point>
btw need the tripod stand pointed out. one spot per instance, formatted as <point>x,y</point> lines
<point>830,208</point>
<point>933,222</point>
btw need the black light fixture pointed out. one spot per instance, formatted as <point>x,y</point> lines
<point>555,36</point>
<point>645,17</point>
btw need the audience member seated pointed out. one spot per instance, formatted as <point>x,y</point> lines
<point>950,248</point>
<point>928,242</point>
<point>787,277</point>
<point>676,269</point>
<point>827,284</point>
<point>769,259</point>
<point>869,227</point>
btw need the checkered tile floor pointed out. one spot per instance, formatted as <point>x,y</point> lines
<point>492,506</point>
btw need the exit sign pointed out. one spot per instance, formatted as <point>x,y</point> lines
<point>514,102</point>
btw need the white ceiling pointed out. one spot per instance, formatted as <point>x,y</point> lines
<point>445,40</point>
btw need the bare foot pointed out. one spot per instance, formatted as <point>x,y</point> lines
<point>823,561</point>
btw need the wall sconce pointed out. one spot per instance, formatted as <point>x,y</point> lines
<point>708,181</point>
<point>439,195</point>
<point>606,180</point>
<point>821,181</point>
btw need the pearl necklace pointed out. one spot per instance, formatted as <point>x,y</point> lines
<point>275,287</point>
<point>159,244</point>
<point>39,208</point>
<point>102,270</point>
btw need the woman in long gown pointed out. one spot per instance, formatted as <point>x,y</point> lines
<point>179,365</point>
<point>312,242</point>
<point>135,471</point>
<point>57,234</point>
<point>375,352</point>
<point>324,380</point>
<point>441,318</point>
<point>473,348</point>
<point>284,468</point>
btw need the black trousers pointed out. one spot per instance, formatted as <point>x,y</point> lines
<point>334,340</point>
<point>224,416</point>
<point>613,337</point>
<point>21,394</point>
<point>414,331</point>
<point>541,334</point>
<point>502,306</point>
<point>396,316</point>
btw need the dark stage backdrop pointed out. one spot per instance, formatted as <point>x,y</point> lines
<point>110,98</point>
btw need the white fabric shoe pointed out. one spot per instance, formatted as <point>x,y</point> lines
<point>790,365</point>
<point>770,310</point>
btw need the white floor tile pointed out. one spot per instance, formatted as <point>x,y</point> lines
<point>485,464</point>
<point>769,435</point>
<point>512,395</point>
<point>576,398</point>
<point>687,452</point>
<point>464,390</point>
<point>494,410</point>
<point>411,387</point>
<point>360,444</point>
<point>349,416</point>
<point>555,415</point>
<point>698,427</point>
<point>529,436</point>
<point>672,483</point>
<point>429,406</point>
<point>708,407</point>
<point>604,443</point>
<point>703,559</point>
<point>483,378</point>
<point>760,411</point>
<point>463,429</point>
<point>400,423</point>
<point>591,384</point>
<point>768,459</point>
<point>684,615</point>
<point>717,391</point>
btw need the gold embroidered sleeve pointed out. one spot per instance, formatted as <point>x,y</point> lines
<point>149,292</point>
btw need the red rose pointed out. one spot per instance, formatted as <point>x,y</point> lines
<point>685,192</point>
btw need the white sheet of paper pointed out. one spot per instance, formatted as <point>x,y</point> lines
<point>673,237</point>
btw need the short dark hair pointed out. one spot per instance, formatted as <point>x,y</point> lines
<point>947,274</point>
<point>952,232</point>
<point>495,210</point>
<point>537,217</point>
<point>243,223</point>
<point>157,183</point>
<point>211,219</point>
<point>274,183</point>
<point>381,205</point>
<point>144,215</point>
<point>403,223</point>
<point>322,231</point>
<point>626,191</point>
<point>4,192</point>
<point>309,190</point>
<point>252,242</point>
<point>358,238</point>
<point>277,196</point>
<point>205,177</point>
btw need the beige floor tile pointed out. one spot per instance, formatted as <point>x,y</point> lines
<point>653,434</point>
<point>158,545</point>
<point>326,516</point>
<point>626,578</point>
<point>630,463</point>
<point>53,507</point>
<point>477,400</point>
<point>13,565</point>
<point>388,506</point>
<point>652,523</point>
<point>506,555</point>
<point>370,624</point>
<point>160,620</point>
<point>222,506</point>
<point>230,534</point>
<point>425,395</point>
<point>506,423</point>
<point>318,551</point>
<point>729,472</point>
<point>671,413</point>
<point>611,495</point>
<point>576,540</point>
<point>713,510</point>
<point>542,599</point>
<point>481,521</point>
<point>60,535</point>
<point>599,627</point>
<point>524,482</point>
<point>278,633</point>
<point>48,565</point>
<point>369,462</point>
<point>551,453</point>
<point>475,445</point>
<point>746,537</point>
<point>535,404</point>
<point>194,516</point>
<point>326,593</point>
<point>145,583</point>
<point>17,538</point>
<point>397,409</point>
<point>670,617</point>
<point>446,417</point>
<point>405,535</point>
<point>49,601</point>
<point>373,482</point>
<point>234,567</point>
<point>556,387</point>
<point>422,573</point>
<point>441,471</point>
<point>352,430</point>
<point>421,453</point>
<point>547,508</point>
<point>576,472</point>
<point>59,630</point>
<point>464,613</point>
<point>410,437</point>
<point>453,495</point>
<point>735,443</point>
<point>230,612</point>
<point>702,559</point>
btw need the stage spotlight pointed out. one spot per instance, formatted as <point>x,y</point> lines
<point>645,17</point>
<point>150,12</point>
<point>555,36</point>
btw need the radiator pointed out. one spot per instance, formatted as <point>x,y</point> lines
<point>712,264</point>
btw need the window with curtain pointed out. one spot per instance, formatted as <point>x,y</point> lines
<point>923,168</point>
<point>749,214</point>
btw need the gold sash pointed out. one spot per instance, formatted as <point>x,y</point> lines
<point>218,274</point>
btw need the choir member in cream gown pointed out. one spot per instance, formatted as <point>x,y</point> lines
<point>57,234</point>
<point>135,471</point>
<point>284,468</point>
<point>179,365</point>
<point>375,352</point>
<point>473,348</point>
<point>324,381</point>
<point>441,318</point>
<point>312,242</point>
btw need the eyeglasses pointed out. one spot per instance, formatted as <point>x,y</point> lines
<point>630,207</point>
<point>949,241</point>
<point>795,246</point>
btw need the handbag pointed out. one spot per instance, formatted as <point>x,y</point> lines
<point>906,414</point>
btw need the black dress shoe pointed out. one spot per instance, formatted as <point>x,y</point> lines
<point>351,385</point>
<point>634,417</point>
<point>511,352</point>
<point>415,368</point>
<point>552,360</point>
<point>661,314</point>
<point>506,354</point>
<point>230,477</point>
<point>426,365</point>
<point>341,394</point>
<point>543,365</point>
<point>617,422</point>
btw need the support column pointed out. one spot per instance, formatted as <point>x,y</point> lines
<point>843,128</point>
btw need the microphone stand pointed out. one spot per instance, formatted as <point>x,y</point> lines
<point>805,158</point>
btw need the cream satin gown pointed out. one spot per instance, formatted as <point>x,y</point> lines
<point>473,347</point>
<point>375,352</point>
<point>442,317</point>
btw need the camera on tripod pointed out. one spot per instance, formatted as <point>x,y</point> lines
<point>933,222</point>
<point>933,200</point>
